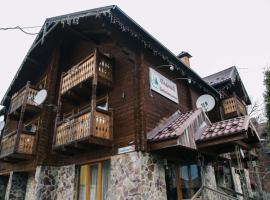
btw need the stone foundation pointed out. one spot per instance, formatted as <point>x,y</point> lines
<point>209,180</point>
<point>55,183</point>
<point>137,176</point>
<point>30,187</point>
<point>3,186</point>
<point>237,183</point>
<point>16,186</point>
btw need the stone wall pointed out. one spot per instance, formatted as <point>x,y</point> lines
<point>3,186</point>
<point>237,183</point>
<point>137,175</point>
<point>209,180</point>
<point>16,186</point>
<point>55,182</point>
<point>30,187</point>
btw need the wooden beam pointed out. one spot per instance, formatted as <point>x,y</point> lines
<point>163,144</point>
<point>99,181</point>
<point>222,140</point>
<point>243,144</point>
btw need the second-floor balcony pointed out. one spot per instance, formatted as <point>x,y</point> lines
<point>233,107</point>
<point>83,129</point>
<point>16,146</point>
<point>24,97</point>
<point>95,64</point>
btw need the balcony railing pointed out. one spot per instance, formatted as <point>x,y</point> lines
<point>80,128</point>
<point>233,105</point>
<point>27,94</point>
<point>25,145</point>
<point>85,70</point>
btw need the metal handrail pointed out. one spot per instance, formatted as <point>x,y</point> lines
<point>202,188</point>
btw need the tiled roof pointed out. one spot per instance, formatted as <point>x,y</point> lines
<point>228,74</point>
<point>173,126</point>
<point>225,128</point>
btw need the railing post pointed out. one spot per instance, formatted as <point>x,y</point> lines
<point>111,123</point>
<point>20,125</point>
<point>58,110</point>
<point>93,97</point>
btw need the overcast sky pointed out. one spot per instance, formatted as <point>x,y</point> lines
<point>218,34</point>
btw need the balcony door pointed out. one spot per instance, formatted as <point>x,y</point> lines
<point>94,181</point>
<point>182,181</point>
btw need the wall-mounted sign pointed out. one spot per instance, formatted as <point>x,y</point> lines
<point>126,149</point>
<point>163,86</point>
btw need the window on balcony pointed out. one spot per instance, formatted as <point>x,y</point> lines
<point>102,103</point>
<point>94,181</point>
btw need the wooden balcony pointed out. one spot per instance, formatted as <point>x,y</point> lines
<point>233,107</point>
<point>83,129</point>
<point>24,150</point>
<point>94,64</point>
<point>24,97</point>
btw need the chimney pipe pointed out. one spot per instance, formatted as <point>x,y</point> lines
<point>184,57</point>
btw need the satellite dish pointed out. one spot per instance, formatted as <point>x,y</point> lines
<point>2,122</point>
<point>40,97</point>
<point>206,102</point>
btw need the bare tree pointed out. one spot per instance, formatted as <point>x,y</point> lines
<point>256,110</point>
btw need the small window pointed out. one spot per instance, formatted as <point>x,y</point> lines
<point>32,126</point>
<point>94,181</point>
<point>42,84</point>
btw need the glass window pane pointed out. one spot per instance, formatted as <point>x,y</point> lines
<point>195,178</point>
<point>171,182</point>
<point>105,179</point>
<point>93,182</point>
<point>82,186</point>
<point>184,181</point>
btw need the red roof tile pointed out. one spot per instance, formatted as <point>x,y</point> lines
<point>224,128</point>
<point>173,126</point>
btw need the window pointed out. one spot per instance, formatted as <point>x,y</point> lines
<point>182,181</point>
<point>94,181</point>
<point>102,103</point>
<point>224,176</point>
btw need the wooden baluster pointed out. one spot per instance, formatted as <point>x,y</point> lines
<point>20,125</point>
<point>93,97</point>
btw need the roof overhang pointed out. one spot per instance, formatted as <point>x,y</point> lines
<point>52,32</point>
<point>247,138</point>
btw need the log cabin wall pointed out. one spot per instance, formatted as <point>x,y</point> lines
<point>122,100</point>
<point>42,138</point>
<point>136,109</point>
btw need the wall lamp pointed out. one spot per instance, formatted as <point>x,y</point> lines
<point>159,66</point>
<point>188,79</point>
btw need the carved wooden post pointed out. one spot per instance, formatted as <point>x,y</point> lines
<point>93,97</point>
<point>20,125</point>
<point>58,110</point>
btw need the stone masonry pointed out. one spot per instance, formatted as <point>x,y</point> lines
<point>3,186</point>
<point>209,180</point>
<point>30,186</point>
<point>55,183</point>
<point>16,186</point>
<point>137,176</point>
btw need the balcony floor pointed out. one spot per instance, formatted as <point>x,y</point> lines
<point>30,111</point>
<point>84,144</point>
<point>16,157</point>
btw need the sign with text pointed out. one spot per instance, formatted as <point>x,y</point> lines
<point>126,149</point>
<point>163,86</point>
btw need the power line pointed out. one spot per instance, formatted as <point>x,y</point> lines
<point>21,29</point>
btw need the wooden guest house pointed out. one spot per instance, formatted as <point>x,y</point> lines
<point>99,109</point>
